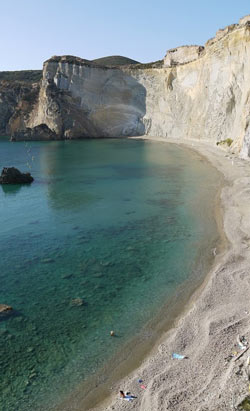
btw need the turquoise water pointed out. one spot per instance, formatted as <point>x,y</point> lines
<point>120,224</point>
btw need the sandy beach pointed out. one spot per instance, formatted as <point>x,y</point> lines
<point>214,376</point>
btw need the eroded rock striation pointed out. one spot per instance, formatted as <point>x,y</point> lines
<point>197,92</point>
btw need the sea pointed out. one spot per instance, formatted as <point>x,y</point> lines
<point>112,235</point>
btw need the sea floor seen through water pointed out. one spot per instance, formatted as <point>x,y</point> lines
<point>100,241</point>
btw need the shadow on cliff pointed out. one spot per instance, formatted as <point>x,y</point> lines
<point>124,97</point>
<point>112,103</point>
<point>122,106</point>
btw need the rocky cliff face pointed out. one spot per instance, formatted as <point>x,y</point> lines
<point>17,100</point>
<point>199,92</point>
<point>81,99</point>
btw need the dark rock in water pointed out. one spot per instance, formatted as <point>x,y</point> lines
<point>11,175</point>
<point>40,132</point>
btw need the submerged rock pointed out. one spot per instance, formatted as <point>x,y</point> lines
<point>47,261</point>
<point>5,309</point>
<point>11,175</point>
<point>67,276</point>
<point>77,302</point>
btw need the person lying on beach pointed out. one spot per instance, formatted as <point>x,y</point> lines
<point>126,396</point>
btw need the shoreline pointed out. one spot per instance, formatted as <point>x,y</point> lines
<point>207,330</point>
<point>96,389</point>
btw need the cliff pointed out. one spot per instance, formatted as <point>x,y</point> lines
<point>196,92</point>
<point>17,99</point>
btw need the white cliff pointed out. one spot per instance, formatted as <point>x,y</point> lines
<point>198,92</point>
<point>81,99</point>
<point>207,98</point>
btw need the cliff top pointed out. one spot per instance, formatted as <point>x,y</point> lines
<point>105,62</point>
<point>69,59</point>
<point>186,54</point>
<point>109,61</point>
<point>27,76</point>
<point>115,61</point>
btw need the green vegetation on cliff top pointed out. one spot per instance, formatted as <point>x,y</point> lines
<point>115,61</point>
<point>125,61</point>
<point>29,76</point>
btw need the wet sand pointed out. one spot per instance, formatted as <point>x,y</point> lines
<point>210,378</point>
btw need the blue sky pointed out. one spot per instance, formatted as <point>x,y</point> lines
<point>33,30</point>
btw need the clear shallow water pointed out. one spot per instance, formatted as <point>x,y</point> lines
<point>118,223</point>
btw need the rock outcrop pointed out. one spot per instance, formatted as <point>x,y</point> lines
<point>199,92</point>
<point>17,100</point>
<point>244,20</point>
<point>182,55</point>
<point>40,132</point>
<point>11,175</point>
